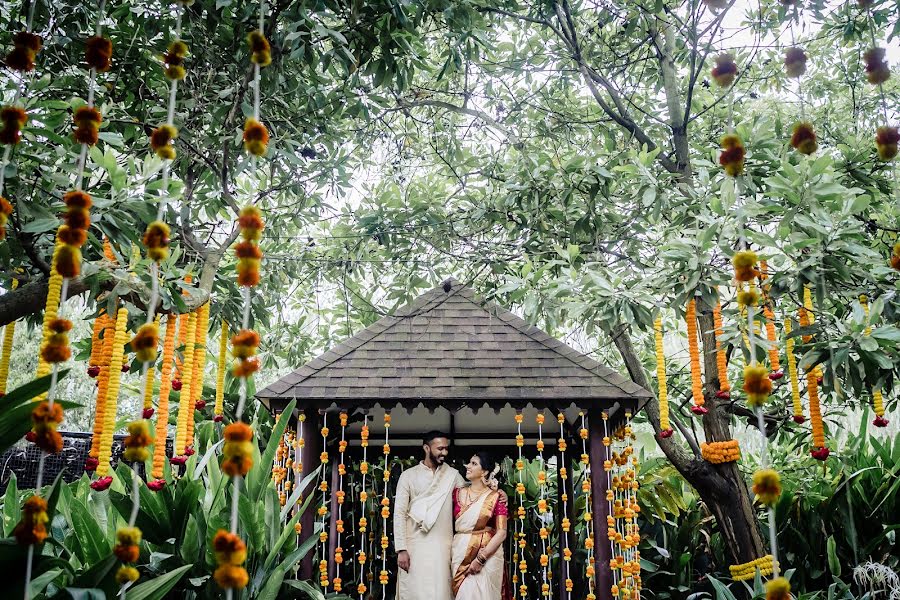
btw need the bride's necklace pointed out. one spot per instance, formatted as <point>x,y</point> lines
<point>469,499</point>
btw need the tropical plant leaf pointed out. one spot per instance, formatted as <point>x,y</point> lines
<point>158,587</point>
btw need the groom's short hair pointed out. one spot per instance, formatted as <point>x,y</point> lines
<point>433,435</point>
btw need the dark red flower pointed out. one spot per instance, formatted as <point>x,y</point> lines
<point>126,368</point>
<point>880,421</point>
<point>723,395</point>
<point>189,451</point>
<point>176,385</point>
<point>148,412</point>
<point>91,464</point>
<point>102,483</point>
<point>156,485</point>
<point>200,404</point>
<point>218,418</point>
<point>820,453</point>
<point>699,410</point>
<point>799,419</point>
<point>666,433</point>
<point>93,371</point>
<point>30,437</point>
<point>178,460</point>
<point>776,375</point>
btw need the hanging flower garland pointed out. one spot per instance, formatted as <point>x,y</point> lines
<point>877,397</point>
<point>120,338</point>
<point>195,402</point>
<point>724,392</point>
<point>26,46</point>
<point>185,410</point>
<point>103,377</point>
<point>807,318</point>
<point>589,569</point>
<point>519,528</point>
<point>721,452</point>
<point>690,317</point>
<point>625,533</point>
<point>339,493</point>
<point>665,428</point>
<point>361,556</point>
<point>323,508</point>
<point>565,524</point>
<point>219,409</point>
<point>165,387</point>
<point>543,507</point>
<point>796,402</point>
<point>385,505</point>
<point>774,362</point>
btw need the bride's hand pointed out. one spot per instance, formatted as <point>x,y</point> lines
<point>475,567</point>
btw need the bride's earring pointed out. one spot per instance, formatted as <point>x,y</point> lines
<point>484,479</point>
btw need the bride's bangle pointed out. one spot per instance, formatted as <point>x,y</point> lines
<point>481,558</point>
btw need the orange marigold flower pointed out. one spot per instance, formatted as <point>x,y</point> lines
<point>767,486</point>
<point>156,240</point>
<point>260,50</point>
<point>732,155</point>
<point>778,589</point>
<point>804,138</point>
<point>245,368</point>
<point>744,263</point>
<point>5,210</point>
<point>757,384</point>
<point>126,574</point>
<point>13,119</point>
<point>60,325</point>
<point>98,53</point>
<point>725,70</point>
<point>77,199</point>
<point>71,236</point>
<point>238,432</point>
<point>244,343</point>
<point>161,141</point>
<point>230,549</point>
<point>886,140</point>
<point>877,69</point>
<point>145,342</point>
<point>49,440</point>
<point>32,528</point>
<point>127,554</point>
<point>256,137</point>
<point>77,218</point>
<point>248,272</point>
<point>86,115</point>
<point>247,249</point>
<point>44,413</point>
<point>68,261</point>
<point>251,223</point>
<point>25,46</point>
<point>794,62</point>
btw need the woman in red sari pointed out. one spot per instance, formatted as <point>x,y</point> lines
<point>480,512</point>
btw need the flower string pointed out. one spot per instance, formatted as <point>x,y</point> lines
<point>185,410</point>
<point>724,392</point>
<point>796,402</point>
<point>590,569</point>
<point>664,426</point>
<point>323,508</point>
<point>690,316</point>
<point>877,397</point>
<point>5,353</point>
<point>519,554</point>
<point>361,557</point>
<point>543,508</point>
<point>385,505</point>
<point>165,387</point>
<point>219,409</point>
<point>565,524</point>
<point>339,493</point>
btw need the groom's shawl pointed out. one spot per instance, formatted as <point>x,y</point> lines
<point>425,508</point>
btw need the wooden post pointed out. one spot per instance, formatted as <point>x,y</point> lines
<point>310,459</point>
<point>599,453</point>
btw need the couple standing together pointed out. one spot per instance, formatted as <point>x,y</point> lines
<point>448,533</point>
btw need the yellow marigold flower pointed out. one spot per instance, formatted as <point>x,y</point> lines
<point>778,589</point>
<point>767,486</point>
<point>126,575</point>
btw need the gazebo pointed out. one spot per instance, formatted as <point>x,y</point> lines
<point>453,362</point>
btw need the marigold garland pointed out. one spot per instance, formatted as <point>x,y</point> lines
<point>218,410</point>
<point>96,345</point>
<point>690,317</point>
<point>792,373</point>
<point>173,60</point>
<point>231,552</point>
<point>185,410</point>
<point>877,69</point>
<point>877,397</point>
<point>87,125</point>
<point>26,46</point>
<point>256,137</point>
<point>778,589</point>
<point>238,449</point>
<point>767,486</point>
<point>819,450</point>
<point>886,140</point>
<point>98,53</point>
<point>156,240</point>
<point>724,392</point>
<point>260,50</point>
<point>6,209</point>
<point>747,571</point>
<point>112,393</point>
<point>161,141</point>
<point>721,452</point>
<point>109,333</point>
<point>665,427</point>
<point>45,419</point>
<point>165,386</point>
<point>51,306</point>
<point>196,400</point>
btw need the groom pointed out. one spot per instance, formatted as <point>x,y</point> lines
<point>423,523</point>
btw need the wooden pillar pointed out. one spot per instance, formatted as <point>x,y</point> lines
<point>599,453</point>
<point>309,456</point>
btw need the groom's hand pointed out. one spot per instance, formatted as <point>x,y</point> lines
<point>403,560</point>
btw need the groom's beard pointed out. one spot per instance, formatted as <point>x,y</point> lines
<point>436,458</point>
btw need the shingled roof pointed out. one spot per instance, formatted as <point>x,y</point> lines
<point>449,348</point>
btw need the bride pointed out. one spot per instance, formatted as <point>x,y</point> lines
<point>481,512</point>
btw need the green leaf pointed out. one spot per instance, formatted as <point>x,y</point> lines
<point>158,587</point>
<point>92,544</point>
<point>722,591</point>
<point>834,564</point>
<point>86,593</point>
<point>11,510</point>
<point>42,581</point>
<point>259,476</point>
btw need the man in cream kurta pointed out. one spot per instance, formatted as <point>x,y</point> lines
<point>423,524</point>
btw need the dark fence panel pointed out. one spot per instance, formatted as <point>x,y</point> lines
<point>22,459</point>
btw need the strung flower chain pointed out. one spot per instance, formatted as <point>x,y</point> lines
<point>543,508</point>
<point>878,71</point>
<point>323,508</point>
<point>626,561</point>
<point>299,445</point>
<point>724,392</point>
<point>803,136</point>
<point>690,316</point>
<point>565,525</point>
<point>793,378</point>
<point>877,397</point>
<point>589,536</point>
<point>721,452</point>
<point>519,554</point>
<point>196,402</point>
<point>664,426</point>
<point>6,352</point>
<point>385,505</point>
<point>219,409</point>
<point>339,493</point>
<point>363,497</point>
<point>162,417</point>
<point>26,45</point>
<point>185,411</point>
<point>807,318</point>
<point>774,362</point>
